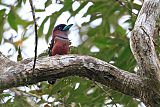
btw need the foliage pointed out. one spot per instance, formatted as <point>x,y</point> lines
<point>109,37</point>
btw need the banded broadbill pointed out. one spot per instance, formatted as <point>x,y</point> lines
<point>59,43</point>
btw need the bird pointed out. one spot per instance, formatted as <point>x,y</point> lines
<point>59,43</point>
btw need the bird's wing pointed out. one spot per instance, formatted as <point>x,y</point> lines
<point>50,47</point>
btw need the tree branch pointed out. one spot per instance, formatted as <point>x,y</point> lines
<point>5,63</point>
<point>71,65</point>
<point>143,49</point>
<point>141,41</point>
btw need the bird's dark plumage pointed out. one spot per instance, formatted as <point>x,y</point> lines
<point>59,27</point>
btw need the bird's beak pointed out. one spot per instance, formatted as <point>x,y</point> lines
<point>67,27</point>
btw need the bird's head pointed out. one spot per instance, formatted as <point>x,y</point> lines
<point>61,31</point>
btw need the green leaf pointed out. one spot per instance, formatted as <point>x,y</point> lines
<point>53,18</point>
<point>12,19</point>
<point>73,13</point>
<point>136,6</point>
<point>120,31</point>
<point>19,3</point>
<point>19,56</point>
<point>24,1</point>
<point>4,95</point>
<point>22,22</point>
<point>2,13</point>
<point>40,30</point>
<point>21,101</point>
<point>39,10</point>
<point>59,86</point>
<point>47,3</point>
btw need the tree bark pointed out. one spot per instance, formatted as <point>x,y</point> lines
<point>143,49</point>
<point>70,65</point>
<point>144,85</point>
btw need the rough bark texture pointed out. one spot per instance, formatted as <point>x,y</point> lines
<point>142,46</point>
<point>144,85</point>
<point>71,65</point>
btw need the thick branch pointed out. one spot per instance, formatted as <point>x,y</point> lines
<point>142,43</point>
<point>5,63</point>
<point>71,65</point>
<point>142,46</point>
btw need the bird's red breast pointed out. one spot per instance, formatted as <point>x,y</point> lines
<point>61,46</point>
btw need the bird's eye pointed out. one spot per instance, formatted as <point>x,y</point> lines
<point>59,28</point>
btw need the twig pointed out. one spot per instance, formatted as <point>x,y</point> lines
<point>121,3</point>
<point>105,92</point>
<point>25,92</point>
<point>36,34</point>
